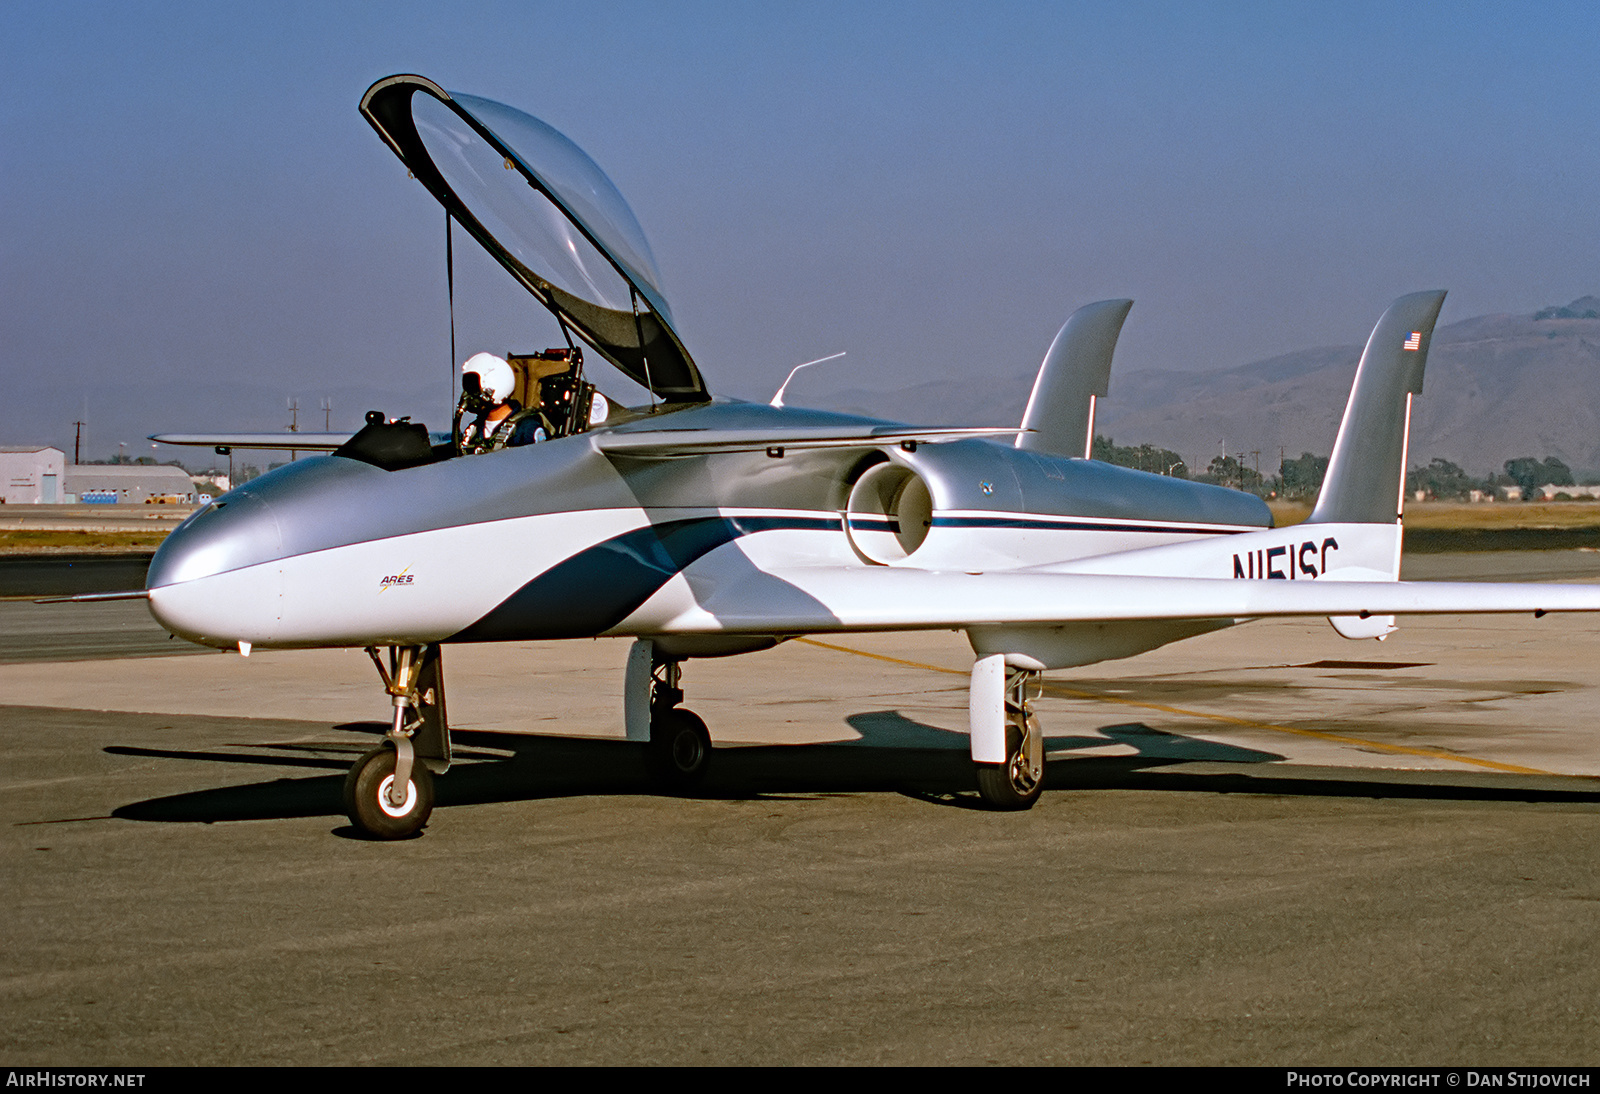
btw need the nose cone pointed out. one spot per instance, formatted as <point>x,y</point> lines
<point>213,580</point>
<point>238,531</point>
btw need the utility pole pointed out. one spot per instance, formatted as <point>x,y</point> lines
<point>77,442</point>
<point>327,415</point>
<point>294,424</point>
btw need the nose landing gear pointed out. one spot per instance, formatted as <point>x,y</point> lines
<point>389,791</point>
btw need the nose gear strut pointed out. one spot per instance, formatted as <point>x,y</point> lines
<point>389,791</point>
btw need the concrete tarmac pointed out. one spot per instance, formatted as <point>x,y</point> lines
<point>1264,846</point>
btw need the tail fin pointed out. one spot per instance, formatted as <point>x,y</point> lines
<point>1076,370</point>
<point>1366,474</point>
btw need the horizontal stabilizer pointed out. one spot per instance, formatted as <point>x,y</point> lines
<point>670,443</point>
<point>304,442</point>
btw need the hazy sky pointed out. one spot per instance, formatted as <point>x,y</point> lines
<point>189,198</point>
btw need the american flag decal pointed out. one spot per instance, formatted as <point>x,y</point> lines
<point>1415,341</point>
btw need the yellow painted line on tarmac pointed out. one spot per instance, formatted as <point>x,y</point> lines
<point>1077,693</point>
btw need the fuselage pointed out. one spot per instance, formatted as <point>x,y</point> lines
<point>561,540</point>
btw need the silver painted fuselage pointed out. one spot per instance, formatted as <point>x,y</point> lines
<point>561,539</point>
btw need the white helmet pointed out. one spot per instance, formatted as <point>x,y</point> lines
<point>495,377</point>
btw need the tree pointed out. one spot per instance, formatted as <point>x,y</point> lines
<point>1302,478</point>
<point>1530,474</point>
<point>1227,471</point>
<point>1146,457</point>
<point>1441,479</point>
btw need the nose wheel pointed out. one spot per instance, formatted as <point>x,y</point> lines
<point>389,791</point>
<point>376,807</point>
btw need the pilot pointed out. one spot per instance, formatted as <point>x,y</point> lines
<point>489,418</point>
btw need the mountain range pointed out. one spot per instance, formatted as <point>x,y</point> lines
<point>1497,387</point>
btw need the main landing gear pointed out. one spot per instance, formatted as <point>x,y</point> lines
<point>389,792</point>
<point>1007,745</point>
<point>678,747</point>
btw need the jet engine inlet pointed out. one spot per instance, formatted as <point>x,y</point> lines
<point>888,514</point>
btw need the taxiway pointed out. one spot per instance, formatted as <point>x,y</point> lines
<point>1262,846</point>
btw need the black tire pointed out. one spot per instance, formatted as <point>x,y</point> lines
<point>370,812</point>
<point>1008,787</point>
<point>680,748</point>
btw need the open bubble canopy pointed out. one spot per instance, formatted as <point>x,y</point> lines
<point>548,214</point>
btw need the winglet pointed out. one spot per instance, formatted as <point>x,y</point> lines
<point>1075,372</point>
<point>1366,473</point>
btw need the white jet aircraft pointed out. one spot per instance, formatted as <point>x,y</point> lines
<point>705,527</point>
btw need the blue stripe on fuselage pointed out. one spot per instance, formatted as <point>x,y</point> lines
<point>596,589</point>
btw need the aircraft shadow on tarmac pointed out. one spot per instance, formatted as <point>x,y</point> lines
<point>895,754</point>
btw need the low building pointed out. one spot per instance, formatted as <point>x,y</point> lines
<point>129,484</point>
<point>31,475</point>
<point>1549,491</point>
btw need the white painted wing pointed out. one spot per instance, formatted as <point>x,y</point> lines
<point>670,443</point>
<point>818,599</point>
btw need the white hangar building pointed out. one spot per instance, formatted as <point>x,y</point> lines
<point>129,483</point>
<point>31,475</point>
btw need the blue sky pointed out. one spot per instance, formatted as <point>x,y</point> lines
<point>189,198</point>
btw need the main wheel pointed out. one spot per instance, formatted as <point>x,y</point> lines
<point>366,796</point>
<point>680,748</point>
<point>1015,784</point>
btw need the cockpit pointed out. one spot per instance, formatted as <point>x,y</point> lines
<point>506,402</point>
<point>524,398</point>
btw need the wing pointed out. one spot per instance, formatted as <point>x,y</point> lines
<point>669,443</point>
<point>304,442</point>
<point>819,599</point>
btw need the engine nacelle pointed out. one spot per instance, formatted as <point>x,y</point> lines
<point>888,514</point>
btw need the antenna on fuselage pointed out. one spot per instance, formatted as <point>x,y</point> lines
<point>777,400</point>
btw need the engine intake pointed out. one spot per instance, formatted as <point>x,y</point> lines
<point>888,514</point>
